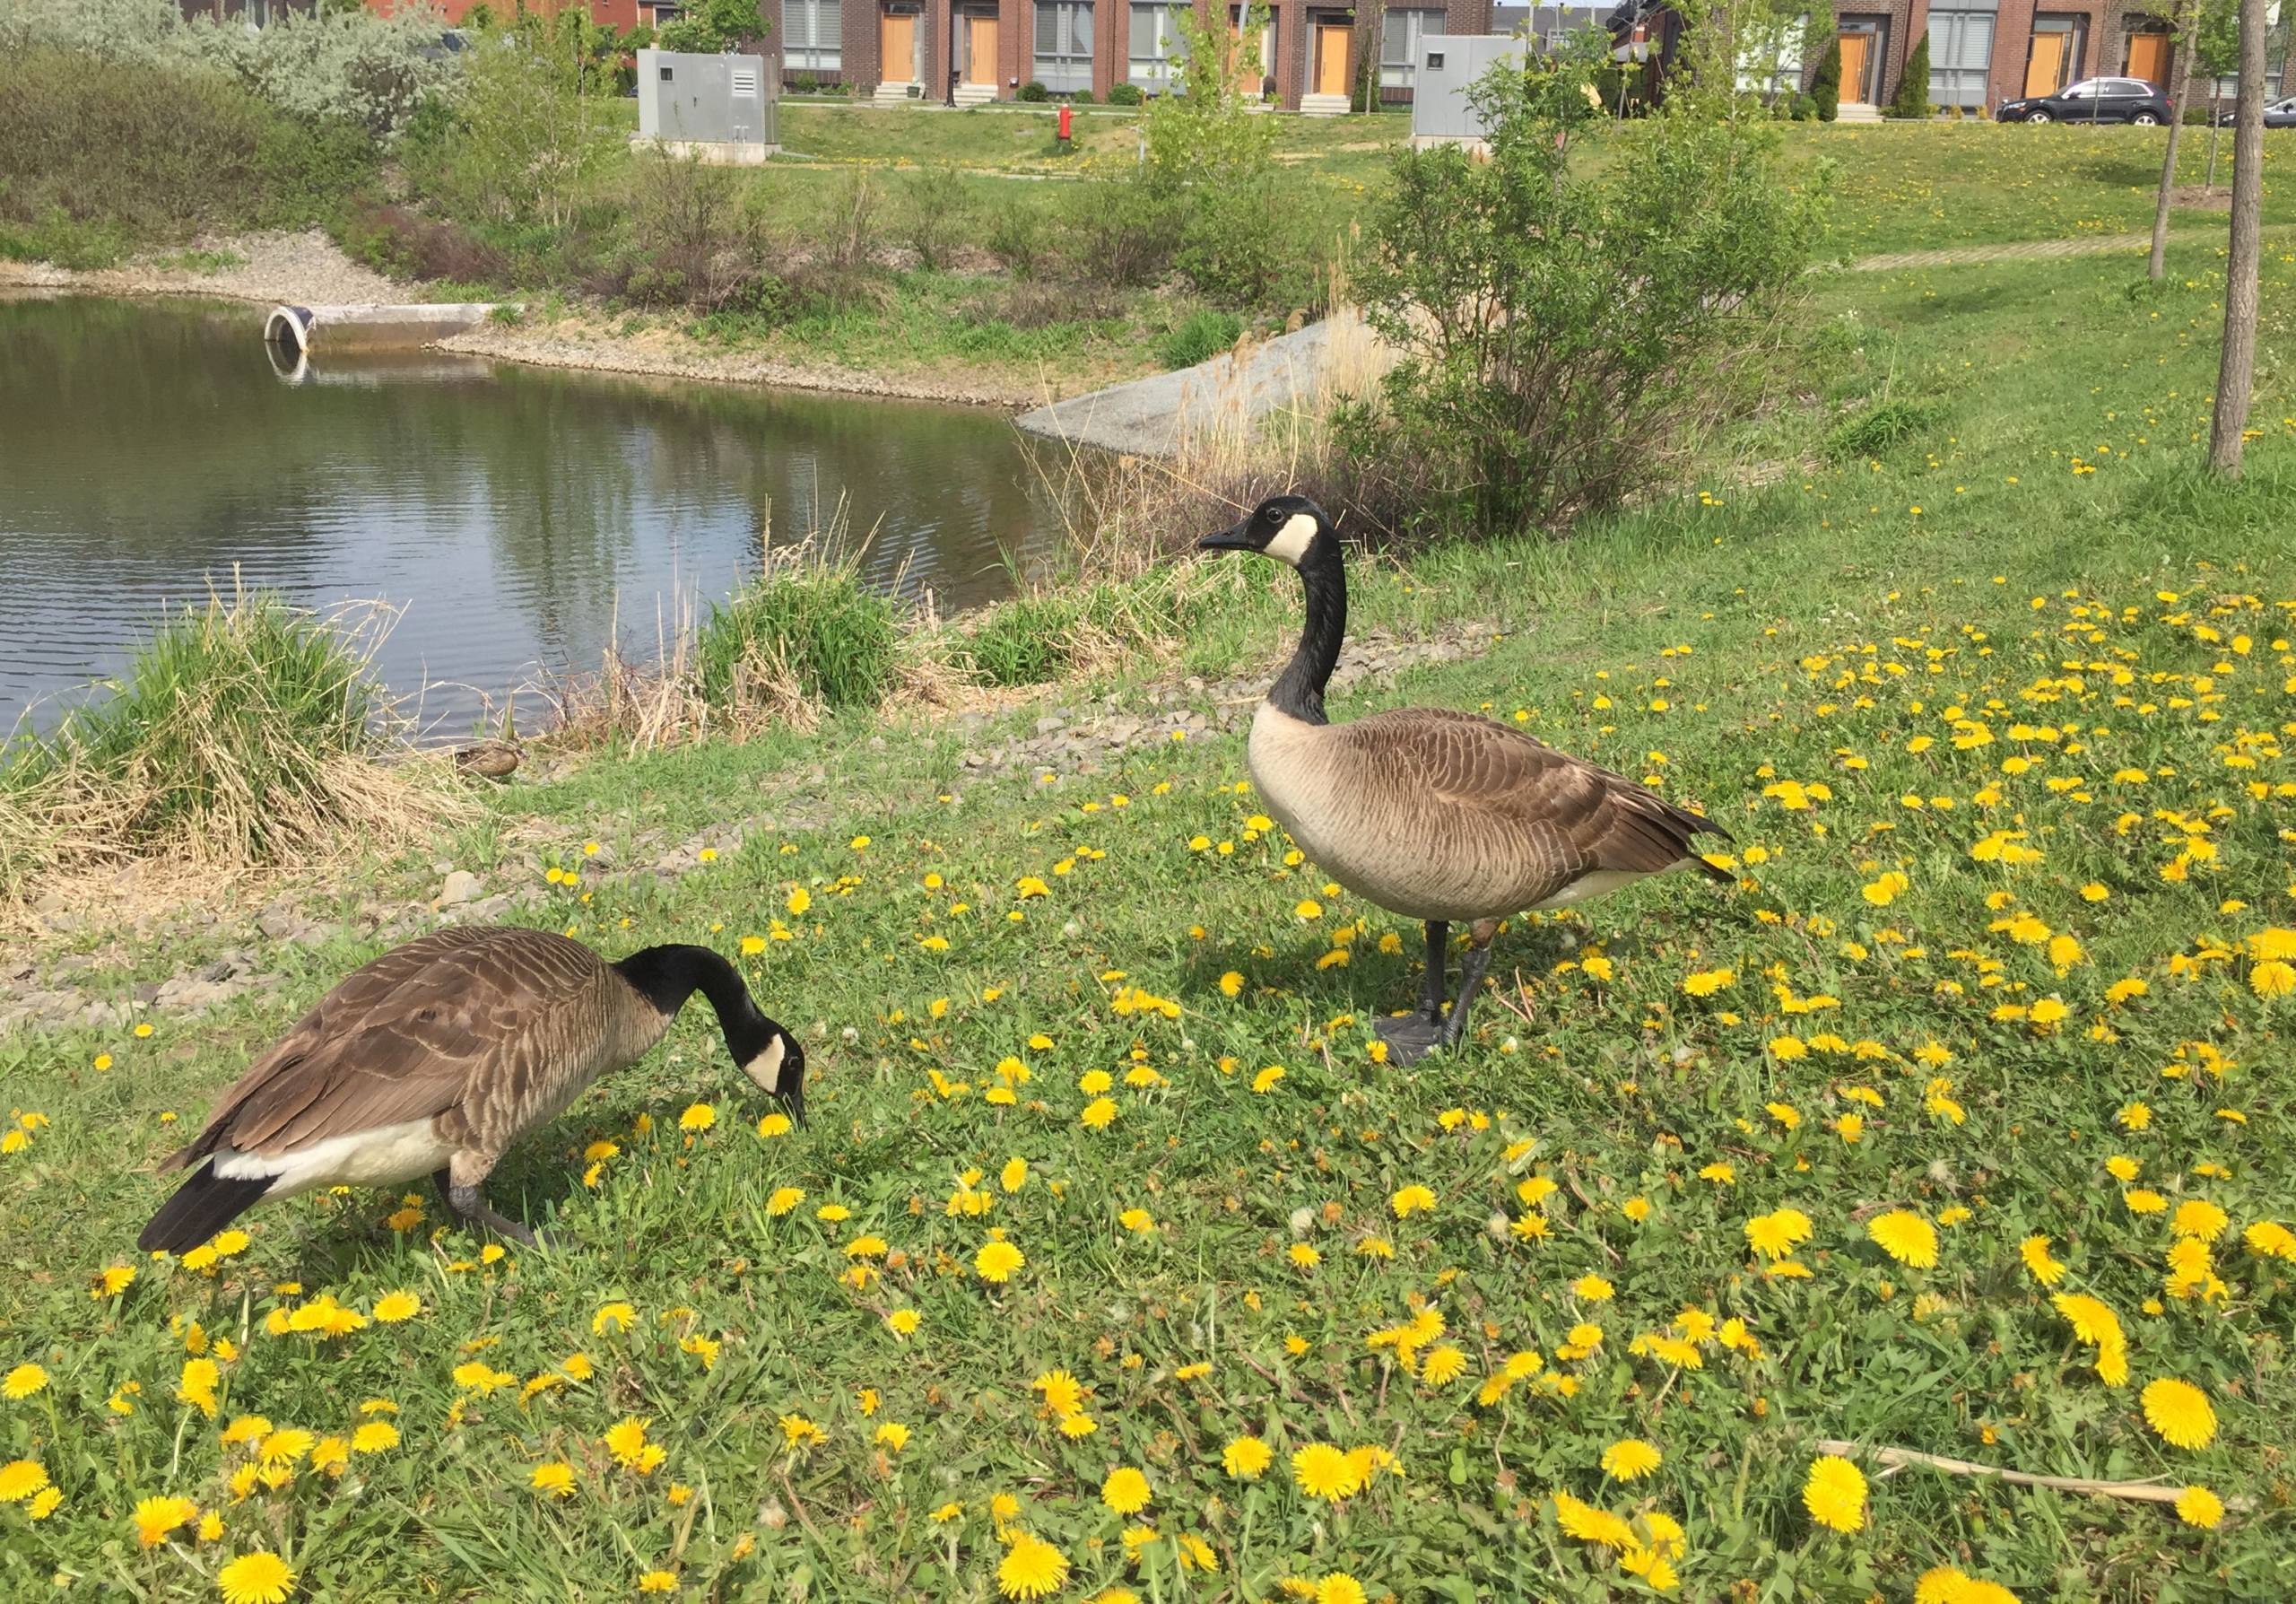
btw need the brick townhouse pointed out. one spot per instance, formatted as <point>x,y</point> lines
<point>974,50</point>
<point>1983,52</point>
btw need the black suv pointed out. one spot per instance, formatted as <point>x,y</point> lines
<point>2091,100</point>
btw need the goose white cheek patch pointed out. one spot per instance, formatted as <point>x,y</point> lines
<point>1291,541</point>
<point>765,1069</point>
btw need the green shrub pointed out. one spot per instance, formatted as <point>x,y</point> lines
<point>1021,642</point>
<point>1825,83</point>
<point>1563,328</point>
<point>1083,97</point>
<point>1204,334</point>
<point>1873,431</point>
<point>1018,236</point>
<point>814,625</point>
<point>1912,100</point>
<point>934,213</point>
<point>1126,94</point>
<point>1032,91</point>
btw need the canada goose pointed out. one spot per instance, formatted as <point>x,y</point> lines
<point>437,1056</point>
<point>1436,814</point>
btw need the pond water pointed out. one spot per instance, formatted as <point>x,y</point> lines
<point>519,518</point>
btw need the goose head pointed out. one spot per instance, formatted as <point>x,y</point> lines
<point>1285,527</point>
<point>771,1057</point>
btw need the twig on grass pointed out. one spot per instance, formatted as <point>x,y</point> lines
<point>2147,1492</point>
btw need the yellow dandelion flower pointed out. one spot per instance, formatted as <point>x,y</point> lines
<point>1835,1493</point>
<point>1630,1459</point>
<point>1323,1471</point>
<point>2197,1506</point>
<point>1905,1236</point>
<point>1126,1490</point>
<point>1031,1568</point>
<point>2180,1412</point>
<point>260,1577</point>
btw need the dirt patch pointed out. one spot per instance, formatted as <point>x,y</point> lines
<point>2192,197</point>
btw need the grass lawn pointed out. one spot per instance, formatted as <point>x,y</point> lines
<point>1999,719</point>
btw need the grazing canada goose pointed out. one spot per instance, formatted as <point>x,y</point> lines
<point>437,1056</point>
<point>1436,814</point>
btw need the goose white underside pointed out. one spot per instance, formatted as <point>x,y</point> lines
<point>387,1156</point>
<point>1602,882</point>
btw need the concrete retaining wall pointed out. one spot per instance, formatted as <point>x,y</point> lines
<point>316,329</point>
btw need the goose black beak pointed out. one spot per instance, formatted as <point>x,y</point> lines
<point>1235,539</point>
<point>794,1072</point>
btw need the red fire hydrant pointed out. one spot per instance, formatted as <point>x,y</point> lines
<point>1063,124</point>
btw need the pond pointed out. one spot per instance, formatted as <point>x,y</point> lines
<point>518,518</point>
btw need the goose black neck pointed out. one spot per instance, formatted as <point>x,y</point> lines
<point>665,976</point>
<point>1299,689</point>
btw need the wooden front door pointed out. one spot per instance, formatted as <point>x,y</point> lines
<point>897,48</point>
<point>2148,57</point>
<point>980,50</point>
<point>1853,67</point>
<point>1331,59</point>
<point>2045,67</point>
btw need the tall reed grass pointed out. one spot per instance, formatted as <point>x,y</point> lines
<point>244,732</point>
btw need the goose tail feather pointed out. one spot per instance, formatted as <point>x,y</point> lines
<point>202,1206</point>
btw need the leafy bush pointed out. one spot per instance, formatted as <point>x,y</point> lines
<point>1912,100</point>
<point>1032,91</point>
<point>526,137</point>
<point>934,214</point>
<point>1120,229</point>
<point>1211,171</point>
<point>805,83</point>
<point>1083,97</point>
<point>1018,236</point>
<point>99,154</point>
<point>394,240</point>
<point>1825,83</point>
<point>713,26</point>
<point>1203,335</point>
<point>811,624</point>
<point>1126,94</point>
<point>1560,333</point>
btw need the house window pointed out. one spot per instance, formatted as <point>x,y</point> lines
<point>1399,36</point>
<point>1064,46</point>
<point>1961,57</point>
<point>1156,46</point>
<point>1771,64</point>
<point>813,37</point>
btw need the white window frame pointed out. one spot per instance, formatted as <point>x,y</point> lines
<point>1960,84</point>
<point>812,36</point>
<point>1159,70</point>
<point>1400,72</point>
<point>1068,68</point>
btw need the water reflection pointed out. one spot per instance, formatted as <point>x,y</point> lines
<point>149,449</point>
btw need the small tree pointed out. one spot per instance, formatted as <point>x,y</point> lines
<point>2156,266</point>
<point>1210,162</point>
<point>714,26</point>
<point>531,129</point>
<point>1825,84</point>
<point>1912,100</point>
<point>1564,333</point>
<point>2236,372</point>
<point>1370,27</point>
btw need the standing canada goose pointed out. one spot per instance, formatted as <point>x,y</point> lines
<point>1436,814</point>
<point>437,1056</point>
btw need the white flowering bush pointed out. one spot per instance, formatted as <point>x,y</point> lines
<point>349,63</point>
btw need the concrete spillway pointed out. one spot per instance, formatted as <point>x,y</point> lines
<point>315,329</point>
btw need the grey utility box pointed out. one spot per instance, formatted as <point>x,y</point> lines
<point>720,107</point>
<point>1448,65</point>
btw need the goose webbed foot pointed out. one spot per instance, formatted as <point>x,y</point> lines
<point>473,1210</point>
<point>1410,1037</point>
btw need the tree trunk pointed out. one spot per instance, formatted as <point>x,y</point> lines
<point>2236,372</point>
<point>2158,265</point>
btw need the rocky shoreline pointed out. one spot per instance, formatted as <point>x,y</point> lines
<point>309,269</point>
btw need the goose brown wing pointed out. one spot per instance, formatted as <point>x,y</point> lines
<point>399,1039</point>
<point>1570,817</point>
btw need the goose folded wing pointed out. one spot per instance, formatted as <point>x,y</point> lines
<point>1584,817</point>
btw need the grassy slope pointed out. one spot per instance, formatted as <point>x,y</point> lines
<point>1826,625</point>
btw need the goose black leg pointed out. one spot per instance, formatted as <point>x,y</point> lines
<point>473,1211</point>
<point>1410,1037</point>
<point>1472,969</point>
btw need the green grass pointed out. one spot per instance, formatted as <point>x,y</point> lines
<point>832,637</point>
<point>1759,629</point>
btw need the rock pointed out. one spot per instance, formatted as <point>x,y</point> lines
<point>460,886</point>
<point>1050,722</point>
